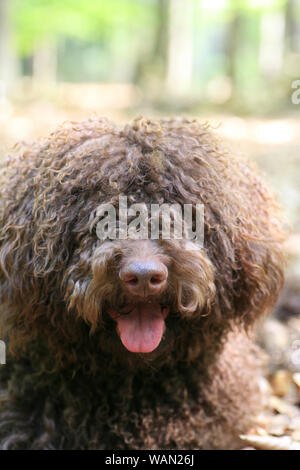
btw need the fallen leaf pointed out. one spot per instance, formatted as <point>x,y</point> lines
<point>271,442</point>
<point>281,382</point>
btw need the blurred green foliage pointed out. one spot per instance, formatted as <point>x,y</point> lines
<point>40,20</point>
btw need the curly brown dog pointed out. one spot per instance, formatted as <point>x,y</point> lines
<point>132,344</point>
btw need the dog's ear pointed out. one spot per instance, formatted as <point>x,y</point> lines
<point>244,240</point>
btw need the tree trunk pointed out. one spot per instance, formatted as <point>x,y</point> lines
<point>7,60</point>
<point>180,47</point>
<point>45,64</point>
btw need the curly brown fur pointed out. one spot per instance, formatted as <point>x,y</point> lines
<point>70,382</point>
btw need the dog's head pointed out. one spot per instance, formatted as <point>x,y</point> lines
<point>145,297</point>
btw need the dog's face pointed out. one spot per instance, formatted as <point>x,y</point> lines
<point>142,290</point>
<point>137,297</point>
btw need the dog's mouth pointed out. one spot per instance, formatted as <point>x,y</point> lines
<point>140,326</point>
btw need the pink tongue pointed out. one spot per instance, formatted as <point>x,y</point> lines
<point>142,329</point>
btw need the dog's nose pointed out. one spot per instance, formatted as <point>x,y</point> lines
<point>144,278</point>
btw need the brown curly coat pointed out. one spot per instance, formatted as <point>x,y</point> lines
<point>69,381</point>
